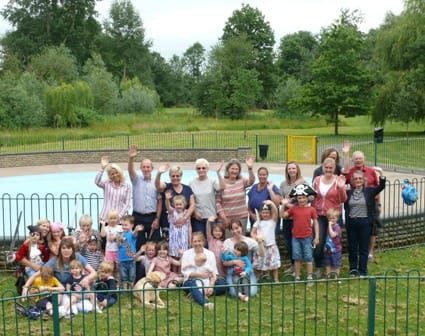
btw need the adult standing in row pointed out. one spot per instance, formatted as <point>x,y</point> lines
<point>293,177</point>
<point>331,194</point>
<point>260,192</point>
<point>231,202</point>
<point>359,163</point>
<point>116,193</point>
<point>204,190</point>
<point>177,188</point>
<point>328,153</point>
<point>360,214</point>
<point>147,201</point>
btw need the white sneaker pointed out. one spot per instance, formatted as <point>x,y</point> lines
<point>62,311</point>
<point>209,306</point>
<point>99,309</point>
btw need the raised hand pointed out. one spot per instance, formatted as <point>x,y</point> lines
<point>220,166</point>
<point>132,151</point>
<point>250,161</point>
<point>104,161</point>
<point>163,168</point>
<point>346,146</point>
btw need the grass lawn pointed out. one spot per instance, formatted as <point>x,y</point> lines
<point>326,308</point>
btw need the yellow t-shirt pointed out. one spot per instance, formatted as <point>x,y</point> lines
<point>39,282</point>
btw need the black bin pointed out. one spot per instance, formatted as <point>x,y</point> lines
<point>263,151</point>
<point>378,135</point>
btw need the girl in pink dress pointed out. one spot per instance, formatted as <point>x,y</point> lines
<point>162,263</point>
<point>215,235</point>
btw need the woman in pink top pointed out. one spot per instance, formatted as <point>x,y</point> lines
<point>116,193</point>
<point>331,194</point>
<point>231,202</point>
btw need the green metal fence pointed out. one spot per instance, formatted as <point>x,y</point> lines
<point>391,304</point>
<point>394,153</point>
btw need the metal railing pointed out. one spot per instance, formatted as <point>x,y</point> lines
<point>390,304</point>
<point>394,153</point>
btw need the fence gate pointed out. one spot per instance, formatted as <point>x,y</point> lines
<point>302,149</point>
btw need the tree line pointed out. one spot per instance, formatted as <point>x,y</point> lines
<point>60,67</point>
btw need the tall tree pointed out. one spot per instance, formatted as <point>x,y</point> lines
<point>124,47</point>
<point>231,85</point>
<point>400,50</point>
<point>296,54</point>
<point>194,66</point>
<point>41,23</point>
<point>339,83</point>
<point>250,23</point>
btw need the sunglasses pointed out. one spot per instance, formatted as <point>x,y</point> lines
<point>201,168</point>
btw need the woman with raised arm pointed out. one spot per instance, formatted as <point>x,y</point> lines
<point>231,202</point>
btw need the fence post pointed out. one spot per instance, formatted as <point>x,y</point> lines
<point>193,140</point>
<point>256,147</point>
<point>56,320</point>
<point>371,307</point>
<point>63,144</point>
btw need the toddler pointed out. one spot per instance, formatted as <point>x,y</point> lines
<point>44,284</point>
<point>145,256</point>
<point>200,266</point>
<point>162,263</point>
<point>106,282</point>
<point>91,252</point>
<point>264,231</point>
<point>333,247</point>
<point>215,237</point>
<point>112,231</point>
<point>239,275</point>
<point>127,251</point>
<point>180,228</point>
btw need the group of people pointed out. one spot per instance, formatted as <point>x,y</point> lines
<point>197,234</point>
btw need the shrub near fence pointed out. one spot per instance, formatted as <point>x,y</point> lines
<point>386,305</point>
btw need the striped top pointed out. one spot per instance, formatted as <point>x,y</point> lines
<point>115,197</point>
<point>232,200</point>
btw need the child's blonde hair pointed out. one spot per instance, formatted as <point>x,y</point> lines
<point>76,264</point>
<point>46,272</point>
<point>332,213</point>
<point>150,243</point>
<point>106,267</point>
<point>180,198</point>
<point>113,213</point>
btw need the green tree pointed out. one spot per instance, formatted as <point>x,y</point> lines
<point>22,101</point>
<point>339,85</point>
<point>400,52</point>
<point>123,47</point>
<point>249,23</point>
<point>39,24</point>
<point>231,85</point>
<point>104,88</point>
<point>68,103</point>
<point>296,53</point>
<point>55,65</point>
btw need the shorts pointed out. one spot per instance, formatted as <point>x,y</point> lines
<point>301,249</point>
<point>333,260</point>
<point>111,256</point>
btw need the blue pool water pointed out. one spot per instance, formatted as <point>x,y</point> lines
<point>60,196</point>
<point>76,183</point>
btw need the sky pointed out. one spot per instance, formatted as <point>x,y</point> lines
<point>174,25</point>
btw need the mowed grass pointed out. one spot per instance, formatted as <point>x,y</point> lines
<point>286,308</point>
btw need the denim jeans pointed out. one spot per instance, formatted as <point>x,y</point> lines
<point>358,237</point>
<point>197,292</point>
<point>252,280</point>
<point>200,226</point>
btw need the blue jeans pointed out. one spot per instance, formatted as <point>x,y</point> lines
<point>197,292</point>
<point>252,280</point>
<point>358,237</point>
<point>301,249</point>
<point>128,271</point>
